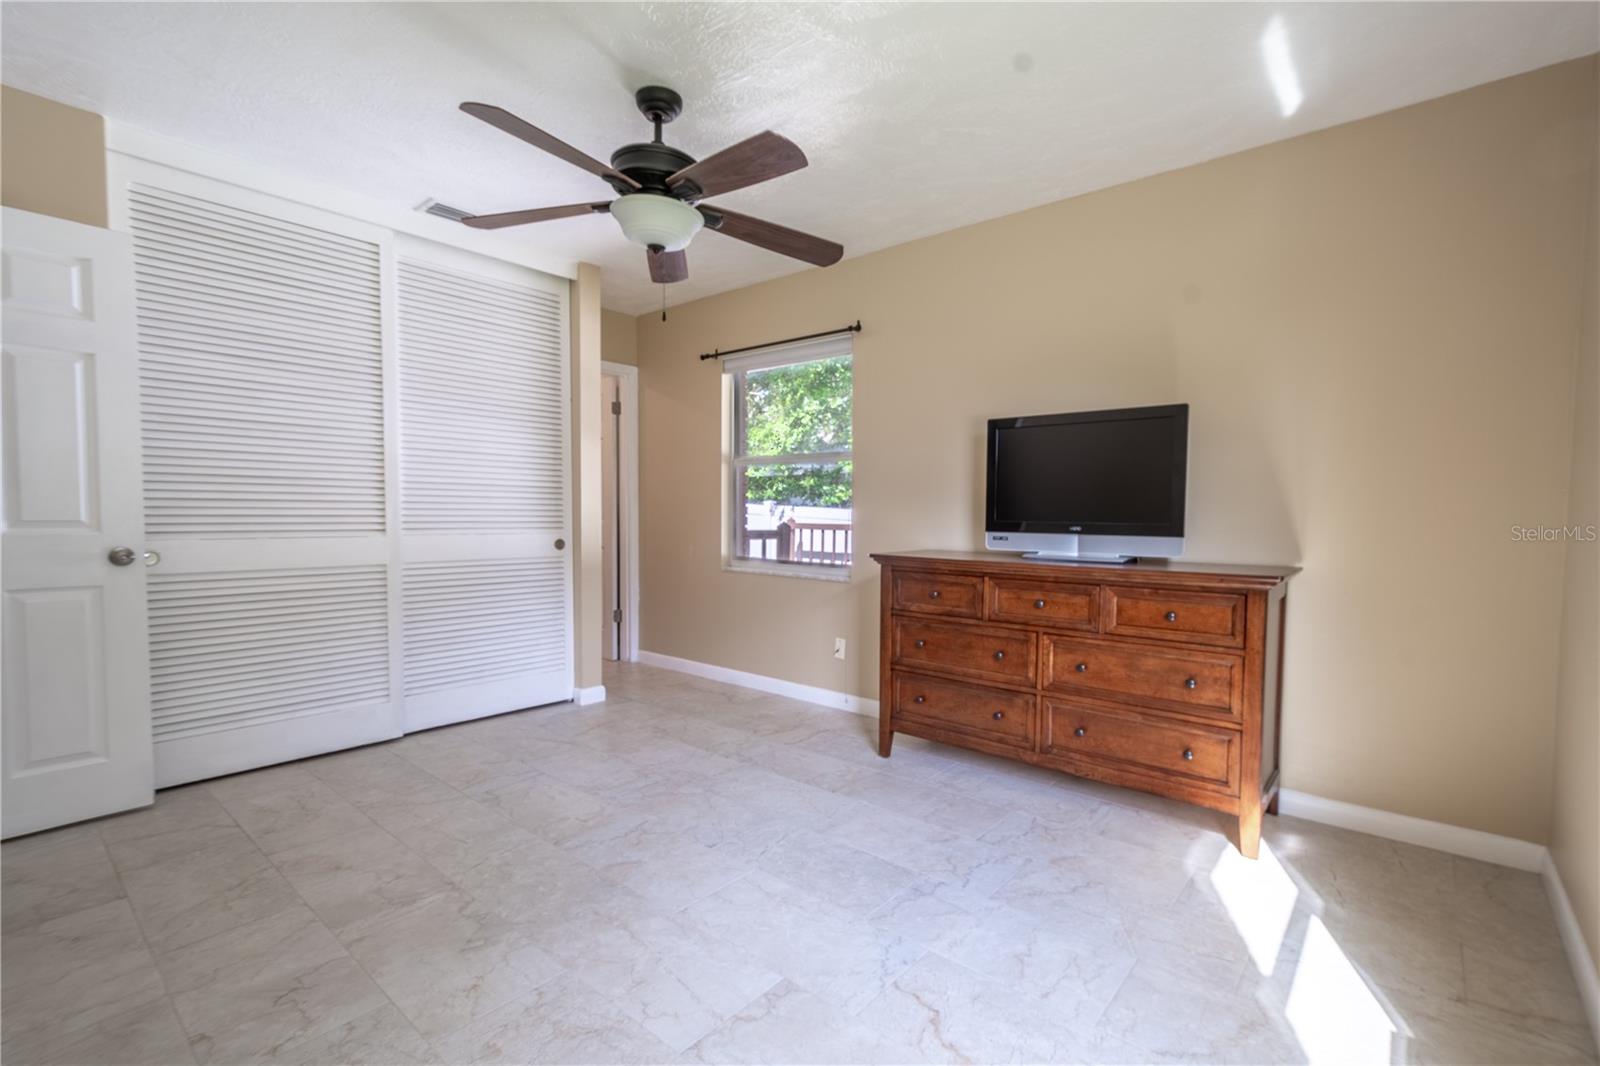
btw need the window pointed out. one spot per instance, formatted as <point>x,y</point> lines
<point>790,488</point>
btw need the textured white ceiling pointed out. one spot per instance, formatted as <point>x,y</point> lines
<point>917,118</point>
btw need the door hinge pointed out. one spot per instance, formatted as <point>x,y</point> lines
<point>616,407</point>
<point>616,614</point>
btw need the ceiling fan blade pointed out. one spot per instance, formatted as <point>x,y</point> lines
<point>757,159</point>
<point>772,237</point>
<point>667,267</point>
<point>538,214</point>
<point>501,119</point>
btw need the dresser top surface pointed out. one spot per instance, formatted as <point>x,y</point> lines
<point>1143,570</point>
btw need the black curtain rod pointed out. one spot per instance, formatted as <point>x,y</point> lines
<point>792,340</point>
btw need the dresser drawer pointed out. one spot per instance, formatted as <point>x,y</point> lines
<point>1207,682</point>
<point>994,714</point>
<point>1187,617</point>
<point>992,654</point>
<point>1056,605</point>
<point>1196,753</point>
<point>951,594</point>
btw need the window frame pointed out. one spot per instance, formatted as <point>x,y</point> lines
<point>735,371</point>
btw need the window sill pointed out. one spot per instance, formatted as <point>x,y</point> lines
<point>808,572</point>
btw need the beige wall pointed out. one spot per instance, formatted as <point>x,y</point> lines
<point>619,338</point>
<point>52,158</point>
<point>1575,835</point>
<point>585,546</point>
<point>1374,327</point>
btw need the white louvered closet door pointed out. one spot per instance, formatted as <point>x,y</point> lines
<point>266,474</point>
<point>486,580</point>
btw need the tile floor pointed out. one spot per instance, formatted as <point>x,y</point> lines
<point>693,872</point>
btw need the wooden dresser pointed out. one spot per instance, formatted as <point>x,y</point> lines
<point>1158,676</point>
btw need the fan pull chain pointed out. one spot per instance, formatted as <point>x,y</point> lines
<point>663,302</point>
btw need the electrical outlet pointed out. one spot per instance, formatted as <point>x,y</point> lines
<point>838,647</point>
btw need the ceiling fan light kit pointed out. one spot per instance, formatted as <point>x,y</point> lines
<point>660,187</point>
<point>656,221</point>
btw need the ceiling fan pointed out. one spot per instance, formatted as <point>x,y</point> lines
<point>660,189</point>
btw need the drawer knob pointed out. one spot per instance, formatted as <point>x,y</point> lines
<point>919,699</point>
<point>998,715</point>
<point>1078,732</point>
<point>1039,604</point>
<point>934,594</point>
<point>1189,683</point>
<point>999,655</point>
<point>922,643</point>
<point>1188,755</point>
<point>1172,616</point>
<point>1082,668</point>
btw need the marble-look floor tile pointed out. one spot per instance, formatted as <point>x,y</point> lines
<point>380,1038</point>
<point>790,1025</point>
<point>51,874</point>
<point>1074,961</point>
<point>452,835</point>
<point>147,1035</point>
<point>75,971</point>
<point>848,877</point>
<point>452,960</point>
<point>356,880</point>
<point>280,820</point>
<point>548,808</point>
<point>532,883</point>
<point>669,869</point>
<point>968,864</point>
<point>666,971</point>
<point>693,872</point>
<point>820,947</point>
<point>1542,989</point>
<point>944,1012</point>
<point>376,777</point>
<point>201,893</point>
<point>561,1022</point>
<point>181,820</point>
<point>245,993</point>
<point>1177,1018</point>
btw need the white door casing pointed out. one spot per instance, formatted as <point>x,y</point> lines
<point>610,516</point>
<point>76,716</point>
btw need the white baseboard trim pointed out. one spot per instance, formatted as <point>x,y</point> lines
<point>1582,962</point>
<point>827,697</point>
<point>585,696</point>
<point>1455,839</point>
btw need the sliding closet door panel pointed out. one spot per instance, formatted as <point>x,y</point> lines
<point>486,590</point>
<point>266,478</point>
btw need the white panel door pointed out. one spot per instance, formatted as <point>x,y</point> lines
<point>76,717</point>
<point>267,473</point>
<point>487,587</point>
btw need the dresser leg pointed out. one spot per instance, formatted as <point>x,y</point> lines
<point>1250,833</point>
<point>1272,808</point>
<point>885,739</point>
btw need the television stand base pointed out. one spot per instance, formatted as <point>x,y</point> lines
<point>1081,560</point>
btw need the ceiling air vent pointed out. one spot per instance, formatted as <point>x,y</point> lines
<point>434,207</point>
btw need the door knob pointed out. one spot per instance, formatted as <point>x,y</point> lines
<point>121,556</point>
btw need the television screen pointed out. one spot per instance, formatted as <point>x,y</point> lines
<point>1094,472</point>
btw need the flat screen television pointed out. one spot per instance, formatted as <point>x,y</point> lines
<point>1102,486</point>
